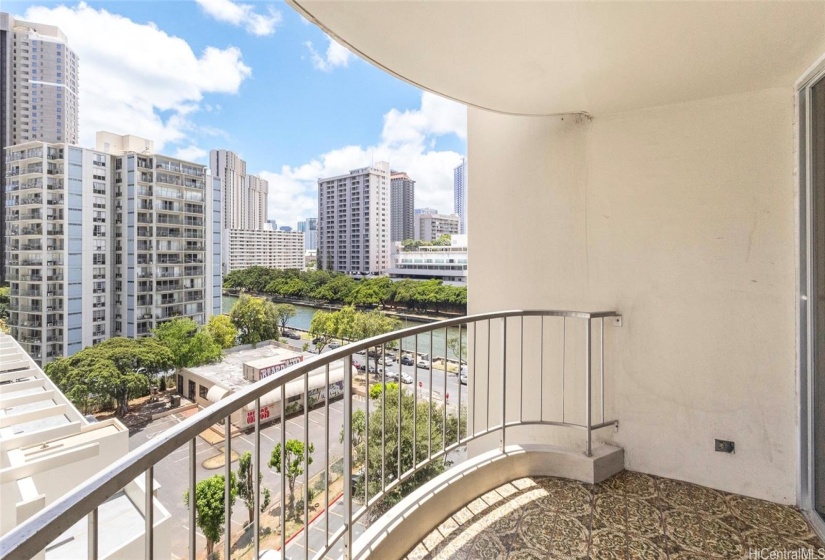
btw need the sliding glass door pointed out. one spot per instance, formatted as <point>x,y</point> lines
<point>817,289</point>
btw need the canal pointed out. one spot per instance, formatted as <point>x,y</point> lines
<point>304,314</point>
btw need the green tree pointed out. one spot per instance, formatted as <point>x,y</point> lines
<point>4,328</point>
<point>222,331</point>
<point>190,346</point>
<point>210,505</point>
<point>285,312</point>
<point>255,318</point>
<point>117,369</point>
<point>429,434</point>
<point>443,240</point>
<point>322,328</point>
<point>294,462</point>
<point>5,299</point>
<point>246,486</point>
<point>374,323</point>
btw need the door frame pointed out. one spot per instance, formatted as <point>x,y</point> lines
<point>806,485</point>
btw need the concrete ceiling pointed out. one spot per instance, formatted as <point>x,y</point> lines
<point>542,58</point>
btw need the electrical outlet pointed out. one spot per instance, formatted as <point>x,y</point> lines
<point>725,446</point>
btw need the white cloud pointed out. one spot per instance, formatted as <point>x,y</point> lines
<point>406,142</point>
<point>336,55</point>
<point>137,79</point>
<point>191,153</point>
<point>242,15</point>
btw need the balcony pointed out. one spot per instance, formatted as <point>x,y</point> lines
<point>498,425</point>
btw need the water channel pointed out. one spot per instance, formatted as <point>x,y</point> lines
<point>304,314</point>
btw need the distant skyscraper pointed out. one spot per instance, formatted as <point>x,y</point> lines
<point>425,211</point>
<point>38,93</point>
<point>245,197</point>
<point>353,221</point>
<point>309,228</point>
<point>460,194</point>
<point>402,202</point>
<point>285,228</point>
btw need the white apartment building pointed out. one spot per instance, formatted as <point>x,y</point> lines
<point>402,206</point>
<point>245,197</point>
<point>107,242</point>
<point>447,263</point>
<point>460,194</point>
<point>267,248</point>
<point>38,91</point>
<point>47,448</point>
<point>354,221</point>
<point>429,227</point>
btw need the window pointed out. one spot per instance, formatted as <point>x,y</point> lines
<point>202,391</point>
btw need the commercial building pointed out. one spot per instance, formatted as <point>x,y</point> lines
<point>39,84</point>
<point>429,227</point>
<point>107,242</point>
<point>447,263</point>
<point>402,206</point>
<point>310,229</point>
<point>460,194</point>
<point>265,247</point>
<point>245,197</point>
<point>208,384</point>
<point>354,221</point>
<point>47,448</point>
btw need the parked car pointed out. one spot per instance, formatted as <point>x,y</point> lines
<point>392,376</point>
<point>406,378</point>
<point>423,364</point>
<point>407,361</point>
<point>334,345</point>
<point>462,378</point>
<point>292,334</point>
<point>361,367</point>
<point>389,361</point>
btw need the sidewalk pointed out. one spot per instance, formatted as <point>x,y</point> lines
<point>317,533</point>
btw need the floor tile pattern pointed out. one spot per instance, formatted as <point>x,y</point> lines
<point>629,516</point>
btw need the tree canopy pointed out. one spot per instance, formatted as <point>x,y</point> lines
<point>222,331</point>
<point>255,318</point>
<point>294,454</point>
<point>351,324</point>
<point>190,346</point>
<point>335,287</point>
<point>117,369</point>
<point>210,501</point>
<point>285,312</point>
<point>246,486</point>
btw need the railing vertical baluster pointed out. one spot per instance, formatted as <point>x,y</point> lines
<point>503,383</point>
<point>365,467</point>
<point>415,403</point>
<point>283,471</point>
<point>444,424</point>
<point>521,374</point>
<point>347,459</point>
<point>563,359</point>
<point>472,432</point>
<point>193,444</point>
<point>489,329</point>
<point>227,480</point>
<point>306,464</point>
<point>588,388</point>
<point>601,362</point>
<point>460,358</point>
<point>541,371</point>
<point>92,534</point>
<point>383,416</point>
<point>326,455</point>
<point>430,403</point>
<point>256,473</point>
<point>400,385</point>
<point>149,515</point>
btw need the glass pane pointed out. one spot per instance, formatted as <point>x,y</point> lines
<point>818,292</point>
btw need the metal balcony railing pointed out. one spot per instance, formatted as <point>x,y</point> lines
<point>496,351</point>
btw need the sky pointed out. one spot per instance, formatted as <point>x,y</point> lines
<point>257,79</point>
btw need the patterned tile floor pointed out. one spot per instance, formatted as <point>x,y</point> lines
<point>628,516</point>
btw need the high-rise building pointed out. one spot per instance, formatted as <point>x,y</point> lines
<point>245,197</point>
<point>460,194</point>
<point>353,221</point>
<point>267,248</point>
<point>309,228</point>
<point>38,92</point>
<point>429,227</point>
<point>402,206</point>
<point>425,211</point>
<point>107,242</point>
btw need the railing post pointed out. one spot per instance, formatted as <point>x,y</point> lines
<point>348,452</point>
<point>92,552</point>
<point>192,466</point>
<point>148,514</point>
<point>256,472</point>
<point>503,383</point>
<point>227,471</point>
<point>588,404</point>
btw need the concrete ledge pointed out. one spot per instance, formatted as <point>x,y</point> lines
<point>412,519</point>
<point>174,410</point>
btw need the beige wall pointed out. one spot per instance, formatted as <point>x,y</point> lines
<point>682,218</point>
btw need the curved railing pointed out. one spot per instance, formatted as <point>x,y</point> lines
<point>495,353</point>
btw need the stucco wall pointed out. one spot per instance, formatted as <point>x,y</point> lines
<point>682,218</point>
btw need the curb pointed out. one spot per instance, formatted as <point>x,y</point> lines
<point>311,521</point>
